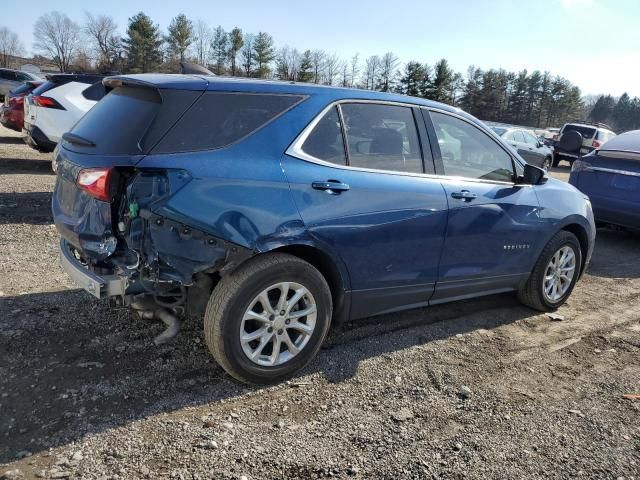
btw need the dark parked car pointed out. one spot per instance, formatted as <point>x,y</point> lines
<point>274,209</point>
<point>611,178</point>
<point>530,147</point>
<point>12,110</point>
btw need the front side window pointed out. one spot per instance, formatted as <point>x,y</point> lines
<point>382,137</point>
<point>468,152</point>
<point>325,140</point>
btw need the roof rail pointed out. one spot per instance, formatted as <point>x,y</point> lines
<point>596,124</point>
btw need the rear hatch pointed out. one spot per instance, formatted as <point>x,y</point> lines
<point>96,158</point>
<point>614,175</point>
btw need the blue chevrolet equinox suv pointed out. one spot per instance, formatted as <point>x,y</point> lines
<point>275,209</point>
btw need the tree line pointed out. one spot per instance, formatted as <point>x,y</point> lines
<point>537,99</point>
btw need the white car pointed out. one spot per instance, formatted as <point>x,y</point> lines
<point>56,105</point>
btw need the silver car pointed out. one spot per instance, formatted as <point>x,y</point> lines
<point>10,79</point>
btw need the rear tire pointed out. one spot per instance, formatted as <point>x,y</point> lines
<point>555,161</point>
<point>239,308</point>
<point>547,163</point>
<point>535,292</point>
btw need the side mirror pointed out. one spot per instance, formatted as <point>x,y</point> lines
<point>532,175</point>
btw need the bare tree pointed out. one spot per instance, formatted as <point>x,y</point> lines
<point>202,41</point>
<point>101,30</point>
<point>246,53</point>
<point>10,46</point>
<point>57,36</point>
<point>332,67</point>
<point>288,62</point>
<point>388,71</point>
<point>317,62</point>
<point>355,68</point>
<point>372,66</point>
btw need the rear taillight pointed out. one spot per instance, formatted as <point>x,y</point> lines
<point>46,102</point>
<point>16,100</point>
<point>580,166</point>
<point>95,181</point>
<point>596,144</point>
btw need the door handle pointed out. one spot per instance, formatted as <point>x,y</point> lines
<point>333,187</point>
<point>465,195</point>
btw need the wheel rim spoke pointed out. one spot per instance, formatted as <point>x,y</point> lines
<point>268,338</point>
<point>559,273</point>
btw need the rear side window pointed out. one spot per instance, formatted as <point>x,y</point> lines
<point>586,132</point>
<point>325,140</point>
<point>129,120</point>
<point>8,75</point>
<point>219,119</point>
<point>382,137</point>
<point>604,135</point>
<point>94,92</point>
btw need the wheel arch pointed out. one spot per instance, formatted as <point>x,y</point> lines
<point>332,269</point>
<point>581,233</point>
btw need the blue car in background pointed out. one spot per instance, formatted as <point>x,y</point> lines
<point>610,176</point>
<point>275,209</point>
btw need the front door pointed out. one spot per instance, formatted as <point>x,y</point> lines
<point>370,203</point>
<point>493,222</point>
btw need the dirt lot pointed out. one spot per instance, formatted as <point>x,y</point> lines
<point>85,394</point>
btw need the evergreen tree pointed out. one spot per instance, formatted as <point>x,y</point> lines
<point>413,78</point>
<point>180,36</point>
<point>441,87</point>
<point>263,52</point>
<point>305,71</point>
<point>603,109</point>
<point>622,113</point>
<point>220,49</point>
<point>143,44</point>
<point>236,42</point>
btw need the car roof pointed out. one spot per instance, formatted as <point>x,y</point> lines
<point>234,84</point>
<point>625,142</point>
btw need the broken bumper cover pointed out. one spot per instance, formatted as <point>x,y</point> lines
<point>100,286</point>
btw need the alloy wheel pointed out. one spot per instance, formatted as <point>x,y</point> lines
<point>278,324</point>
<point>559,274</point>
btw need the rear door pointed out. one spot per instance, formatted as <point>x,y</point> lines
<point>493,222</point>
<point>358,180</point>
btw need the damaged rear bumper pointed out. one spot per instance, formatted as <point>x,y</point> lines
<point>100,286</point>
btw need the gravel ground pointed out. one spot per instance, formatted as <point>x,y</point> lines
<point>478,389</point>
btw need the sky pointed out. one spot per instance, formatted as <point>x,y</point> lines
<point>593,43</point>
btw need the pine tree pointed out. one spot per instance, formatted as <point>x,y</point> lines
<point>180,36</point>
<point>442,86</point>
<point>236,42</point>
<point>622,113</point>
<point>411,81</point>
<point>305,71</point>
<point>603,109</point>
<point>143,44</point>
<point>220,49</point>
<point>263,52</point>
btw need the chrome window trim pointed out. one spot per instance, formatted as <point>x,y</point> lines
<point>619,154</point>
<point>614,171</point>
<point>295,149</point>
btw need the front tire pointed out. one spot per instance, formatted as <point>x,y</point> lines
<point>555,273</point>
<point>268,319</point>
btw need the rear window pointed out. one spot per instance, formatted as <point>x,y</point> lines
<point>46,86</point>
<point>24,88</point>
<point>219,119</point>
<point>499,130</point>
<point>128,121</point>
<point>586,132</point>
<point>604,135</point>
